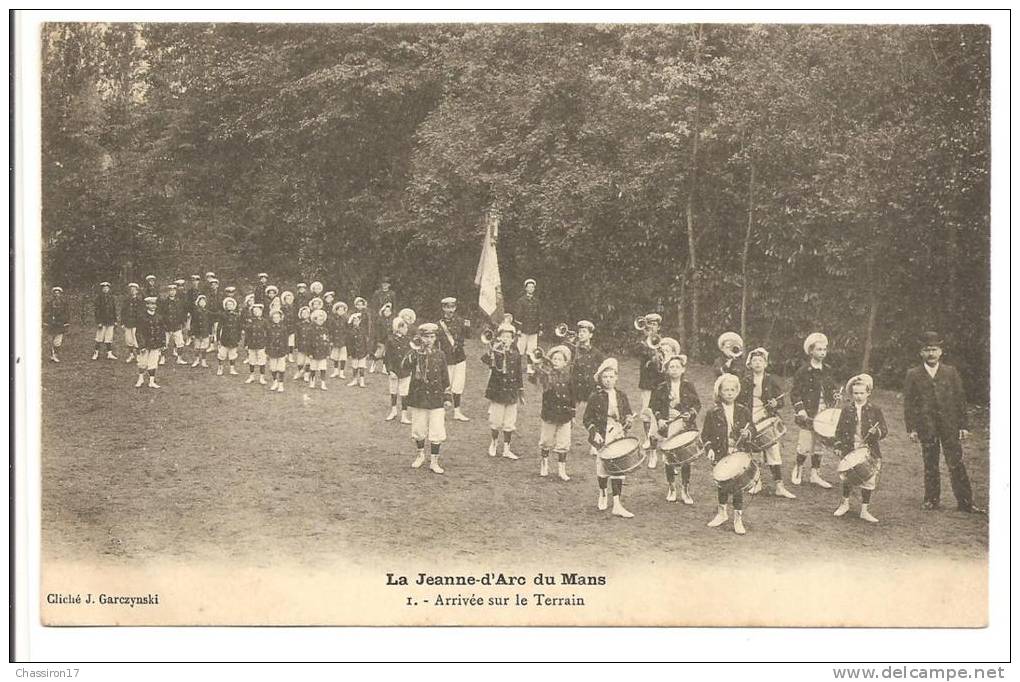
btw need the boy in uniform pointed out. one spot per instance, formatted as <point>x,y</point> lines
<point>586,359</point>
<point>731,347</point>
<point>935,414</point>
<point>255,333</point>
<point>762,394</point>
<point>338,336</point>
<point>726,424</point>
<point>861,424</point>
<point>650,376</point>
<point>397,348</point>
<point>302,297</point>
<point>230,335</point>
<point>428,396</point>
<point>151,288</point>
<point>302,338</point>
<point>503,390</point>
<point>214,304</point>
<point>607,418</point>
<point>151,335</point>
<point>528,316</point>
<point>173,320</point>
<point>106,319</point>
<point>201,329</point>
<point>357,341</point>
<point>57,320</point>
<point>277,348</point>
<point>813,389</point>
<point>130,312</point>
<point>676,398</point>
<point>318,347</point>
<point>558,404</point>
<point>451,341</point>
<point>260,288</point>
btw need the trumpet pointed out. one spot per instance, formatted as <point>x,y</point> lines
<point>640,323</point>
<point>537,355</point>
<point>417,344</point>
<point>734,351</point>
<point>564,332</point>
<point>487,337</point>
<point>654,341</point>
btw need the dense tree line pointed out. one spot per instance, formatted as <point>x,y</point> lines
<point>769,179</point>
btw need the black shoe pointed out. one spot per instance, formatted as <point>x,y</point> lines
<point>930,506</point>
<point>972,509</point>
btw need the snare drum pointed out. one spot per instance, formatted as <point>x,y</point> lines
<point>682,448</point>
<point>769,431</point>
<point>858,466</point>
<point>824,424</point>
<point>735,473</point>
<point>621,456</point>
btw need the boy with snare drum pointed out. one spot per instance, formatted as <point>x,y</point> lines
<point>727,427</point>
<point>676,398</point>
<point>813,389</point>
<point>762,394</point>
<point>607,418</point>
<point>861,425</point>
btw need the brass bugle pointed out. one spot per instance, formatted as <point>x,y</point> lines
<point>564,332</point>
<point>640,323</point>
<point>654,341</point>
<point>538,354</point>
<point>416,343</point>
<point>487,337</point>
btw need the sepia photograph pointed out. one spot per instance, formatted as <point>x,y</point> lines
<point>514,324</point>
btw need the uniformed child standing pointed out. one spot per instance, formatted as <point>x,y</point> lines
<point>173,319</point>
<point>357,341</point>
<point>558,400</point>
<point>106,319</point>
<point>586,360</point>
<point>318,347</point>
<point>528,316</point>
<point>201,329</point>
<point>397,348</point>
<point>727,425</point>
<point>151,288</point>
<point>650,376</point>
<point>731,347</point>
<point>302,338</point>
<point>259,290</point>
<point>214,305</point>
<point>503,389</point>
<point>338,338</point>
<point>57,320</point>
<point>151,335</point>
<point>427,397</point>
<point>451,339</point>
<point>277,348</point>
<point>255,332</point>
<point>130,312</point>
<point>814,387</point>
<point>607,418</point>
<point>230,335</point>
<point>762,394</point>
<point>861,424</point>
<point>676,398</point>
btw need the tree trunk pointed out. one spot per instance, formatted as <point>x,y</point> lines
<point>692,174</point>
<point>681,314</point>
<point>870,333</point>
<point>745,292</point>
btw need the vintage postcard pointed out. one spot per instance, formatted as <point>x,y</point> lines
<point>503,324</point>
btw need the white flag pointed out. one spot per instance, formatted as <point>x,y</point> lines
<point>490,292</point>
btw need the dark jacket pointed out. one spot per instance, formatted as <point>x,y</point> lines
<point>452,329</point>
<point>558,397</point>
<point>582,368</point>
<point>430,381</point>
<point>596,414</point>
<point>689,402</point>
<point>528,314</point>
<point>214,303</point>
<point>337,330</point>
<point>106,309</point>
<point>397,347</point>
<point>201,321</point>
<point>318,341</point>
<point>255,333</point>
<point>846,428</point>
<point>770,388</point>
<point>276,339</point>
<point>173,312</point>
<point>934,408</point>
<point>724,364</point>
<point>357,339</point>
<point>150,333</point>
<point>57,317</point>
<point>809,385</point>
<point>504,387</point>
<point>651,370</point>
<point>230,329</point>
<point>150,290</point>
<point>260,293</point>
<point>131,311</point>
<point>716,435</point>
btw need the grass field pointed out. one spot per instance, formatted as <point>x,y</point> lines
<point>209,468</point>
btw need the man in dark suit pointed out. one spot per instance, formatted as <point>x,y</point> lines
<point>935,414</point>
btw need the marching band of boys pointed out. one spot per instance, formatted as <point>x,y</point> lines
<point>426,368</point>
